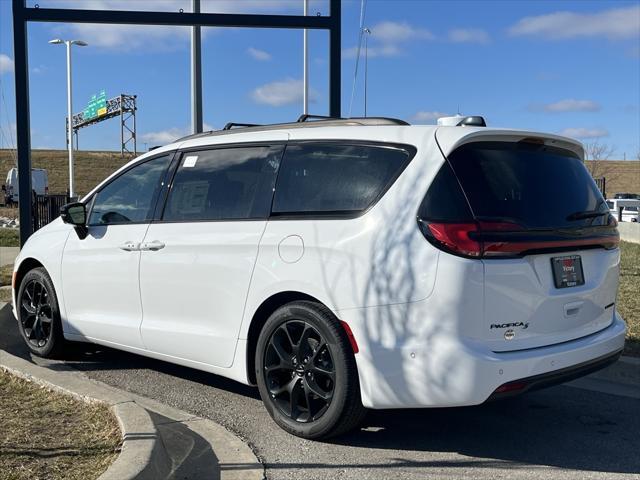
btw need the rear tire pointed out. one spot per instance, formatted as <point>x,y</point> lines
<point>38,314</point>
<point>306,372</point>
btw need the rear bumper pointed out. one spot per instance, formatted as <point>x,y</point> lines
<point>442,370</point>
<point>555,377</point>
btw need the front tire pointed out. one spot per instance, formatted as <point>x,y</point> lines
<point>38,314</point>
<point>306,372</point>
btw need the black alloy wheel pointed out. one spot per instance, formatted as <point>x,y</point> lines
<point>306,372</point>
<point>38,314</point>
<point>299,371</point>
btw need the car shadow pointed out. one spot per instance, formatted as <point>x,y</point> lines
<point>562,427</point>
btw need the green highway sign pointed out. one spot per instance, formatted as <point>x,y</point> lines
<point>96,107</point>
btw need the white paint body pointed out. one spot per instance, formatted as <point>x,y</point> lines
<point>630,209</point>
<point>420,316</point>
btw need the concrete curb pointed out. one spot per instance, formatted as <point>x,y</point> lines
<point>158,441</point>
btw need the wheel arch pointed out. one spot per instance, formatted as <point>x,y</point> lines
<point>260,316</point>
<point>25,266</point>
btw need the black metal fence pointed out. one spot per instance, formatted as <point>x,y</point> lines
<point>602,185</point>
<point>46,208</point>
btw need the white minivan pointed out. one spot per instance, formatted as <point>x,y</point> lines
<point>341,265</point>
<point>39,184</point>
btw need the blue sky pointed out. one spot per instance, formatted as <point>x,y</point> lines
<point>570,67</point>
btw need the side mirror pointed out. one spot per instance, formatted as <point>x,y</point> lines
<point>74,214</point>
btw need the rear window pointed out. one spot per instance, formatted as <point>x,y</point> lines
<point>536,186</point>
<point>329,179</point>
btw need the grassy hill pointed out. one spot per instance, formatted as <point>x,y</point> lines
<point>90,167</point>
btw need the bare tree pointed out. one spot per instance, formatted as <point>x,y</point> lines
<point>598,160</point>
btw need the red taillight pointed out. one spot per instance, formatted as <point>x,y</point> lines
<point>455,237</point>
<point>505,239</point>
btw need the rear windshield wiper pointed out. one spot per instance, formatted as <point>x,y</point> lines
<point>587,214</point>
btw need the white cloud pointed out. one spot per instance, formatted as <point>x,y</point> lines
<point>387,38</point>
<point>373,52</point>
<point>616,23</point>
<point>582,133</point>
<point>162,137</point>
<point>39,69</point>
<point>258,54</point>
<point>428,117</point>
<point>6,64</point>
<point>397,32</point>
<point>569,105</point>
<point>282,92</point>
<point>468,35</point>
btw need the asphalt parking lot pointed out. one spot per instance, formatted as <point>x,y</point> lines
<point>559,433</point>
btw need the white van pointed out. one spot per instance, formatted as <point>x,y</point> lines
<point>340,265</point>
<point>630,208</point>
<point>39,184</point>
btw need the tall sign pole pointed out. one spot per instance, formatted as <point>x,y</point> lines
<point>69,120</point>
<point>23,130</point>
<point>305,60</point>
<point>196,73</point>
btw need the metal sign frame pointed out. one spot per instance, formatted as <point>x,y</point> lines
<point>22,15</point>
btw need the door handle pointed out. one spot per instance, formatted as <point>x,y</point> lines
<point>153,246</point>
<point>130,246</point>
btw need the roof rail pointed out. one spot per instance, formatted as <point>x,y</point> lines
<point>300,123</point>
<point>305,116</point>
<point>231,125</point>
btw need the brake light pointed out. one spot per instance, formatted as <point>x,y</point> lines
<point>506,239</point>
<point>455,237</point>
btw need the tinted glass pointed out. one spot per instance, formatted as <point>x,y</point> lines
<point>533,185</point>
<point>317,178</point>
<point>224,184</point>
<point>444,201</point>
<point>130,197</point>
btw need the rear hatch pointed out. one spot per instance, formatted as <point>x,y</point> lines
<point>545,236</point>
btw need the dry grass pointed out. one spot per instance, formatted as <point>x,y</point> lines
<point>629,294</point>
<point>47,435</point>
<point>90,167</point>
<point>6,271</point>
<point>9,237</point>
<point>622,176</point>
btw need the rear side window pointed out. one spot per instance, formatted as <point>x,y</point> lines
<point>532,185</point>
<point>224,184</point>
<point>334,179</point>
<point>445,201</point>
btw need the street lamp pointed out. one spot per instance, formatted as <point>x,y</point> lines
<point>68,43</point>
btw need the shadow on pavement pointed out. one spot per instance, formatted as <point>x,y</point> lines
<point>561,427</point>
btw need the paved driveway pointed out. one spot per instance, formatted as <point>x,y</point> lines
<point>559,433</point>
